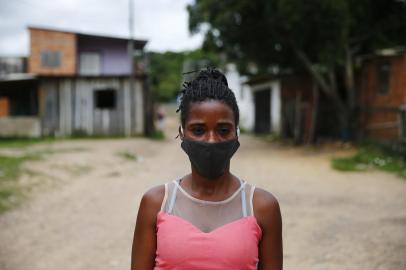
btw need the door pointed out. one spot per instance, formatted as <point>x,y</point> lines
<point>402,116</point>
<point>262,99</point>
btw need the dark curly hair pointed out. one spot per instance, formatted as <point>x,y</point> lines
<point>209,84</point>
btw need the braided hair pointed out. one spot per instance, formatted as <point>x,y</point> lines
<point>209,84</point>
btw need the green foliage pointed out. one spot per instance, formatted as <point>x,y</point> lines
<point>371,156</point>
<point>22,142</point>
<point>319,38</point>
<point>157,135</point>
<point>271,32</point>
<point>166,71</point>
<point>127,155</point>
<point>10,169</point>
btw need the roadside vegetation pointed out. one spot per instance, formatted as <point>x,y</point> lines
<point>372,155</point>
<point>22,142</point>
<point>10,170</point>
<point>14,152</point>
<point>128,155</point>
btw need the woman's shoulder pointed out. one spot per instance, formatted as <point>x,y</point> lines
<point>153,197</point>
<point>264,199</point>
<point>266,207</point>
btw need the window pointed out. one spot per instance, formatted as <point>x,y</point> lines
<point>105,99</point>
<point>384,70</point>
<point>51,59</point>
<point>89,63</point>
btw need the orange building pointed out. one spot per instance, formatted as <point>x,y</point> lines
<point>52,52</point>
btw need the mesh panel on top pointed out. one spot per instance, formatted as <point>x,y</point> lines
<point>208,215</point>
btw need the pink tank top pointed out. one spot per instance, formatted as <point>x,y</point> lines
<point>194,234</point>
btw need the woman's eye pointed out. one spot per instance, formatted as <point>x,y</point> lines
<point>224,131</point>
<point>198,130</point>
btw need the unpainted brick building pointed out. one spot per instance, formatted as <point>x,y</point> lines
<point>382,96</point>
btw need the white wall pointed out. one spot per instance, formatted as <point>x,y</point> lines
<point>243,95</point>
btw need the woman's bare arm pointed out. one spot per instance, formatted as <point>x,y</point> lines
<point>268,214</point>
<point>144,242</point>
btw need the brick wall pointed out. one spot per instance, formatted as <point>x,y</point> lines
<point>52,41</point>
<point>380,112</point>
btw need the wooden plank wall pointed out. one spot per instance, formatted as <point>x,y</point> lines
<point>106,121</point>
<point>69,107</point>
<point>50,115</point>
<point>138,113</point>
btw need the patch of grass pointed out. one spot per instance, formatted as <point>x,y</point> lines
<point>128,155</point>
<point>92,137</point>
<point>23,142</point>
<point>10,170</point>
<point>157,135</point>
<point>270,137</point>
<point>9,197</point>
<point>10,166</point>
<point>244,130</point>
<point>375,156</point>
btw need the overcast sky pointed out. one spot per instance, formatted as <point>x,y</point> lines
<point>164,23</point>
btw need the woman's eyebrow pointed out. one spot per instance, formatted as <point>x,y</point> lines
<point>196,122</point>
<point>224,122</point>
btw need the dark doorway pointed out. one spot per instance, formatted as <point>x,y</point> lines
<point>105,99</point>
<point>20,96</point>
<point>262,99</point>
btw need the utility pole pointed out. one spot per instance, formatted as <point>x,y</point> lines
<point>128,93</point>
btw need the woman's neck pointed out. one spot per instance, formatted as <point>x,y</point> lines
<point>210,189</point>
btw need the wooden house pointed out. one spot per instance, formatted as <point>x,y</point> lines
<point>77,84</point>
<point>382,96</point>
<point>289,105</point>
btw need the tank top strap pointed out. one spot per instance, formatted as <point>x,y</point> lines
<point>243,198</point>
<point>173,197</point>
<point>165,198</point>
<point>252,200</point>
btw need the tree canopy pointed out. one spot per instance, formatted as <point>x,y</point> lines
<point>166,70</point>
<point>274,31</point>
<point>320,37</point>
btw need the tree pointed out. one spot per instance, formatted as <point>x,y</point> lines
<point>321,37</point>
<point>166,70</point>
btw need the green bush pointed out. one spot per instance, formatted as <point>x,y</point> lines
<point>376,156</point>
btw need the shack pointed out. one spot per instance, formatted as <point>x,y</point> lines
<point>76,84</point>
<point>382,95</point>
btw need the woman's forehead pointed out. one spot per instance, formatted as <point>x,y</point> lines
<point>210,110</point>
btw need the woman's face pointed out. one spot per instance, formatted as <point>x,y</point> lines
<point>210,121</point>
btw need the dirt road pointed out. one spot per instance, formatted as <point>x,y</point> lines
<point>83,214</point>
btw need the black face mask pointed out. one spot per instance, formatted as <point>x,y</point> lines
<point>210,159</point>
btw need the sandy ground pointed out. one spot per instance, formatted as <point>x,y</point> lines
<point>82,214</point>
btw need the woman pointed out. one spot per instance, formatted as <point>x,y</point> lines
<point>208,219</point>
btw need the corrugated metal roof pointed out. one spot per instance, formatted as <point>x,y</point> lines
<point>17,77</point>
<point>139,43</point>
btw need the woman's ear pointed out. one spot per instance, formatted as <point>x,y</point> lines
<point>180,130</point>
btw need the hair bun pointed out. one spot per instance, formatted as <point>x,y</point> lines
<point>211,73</point>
